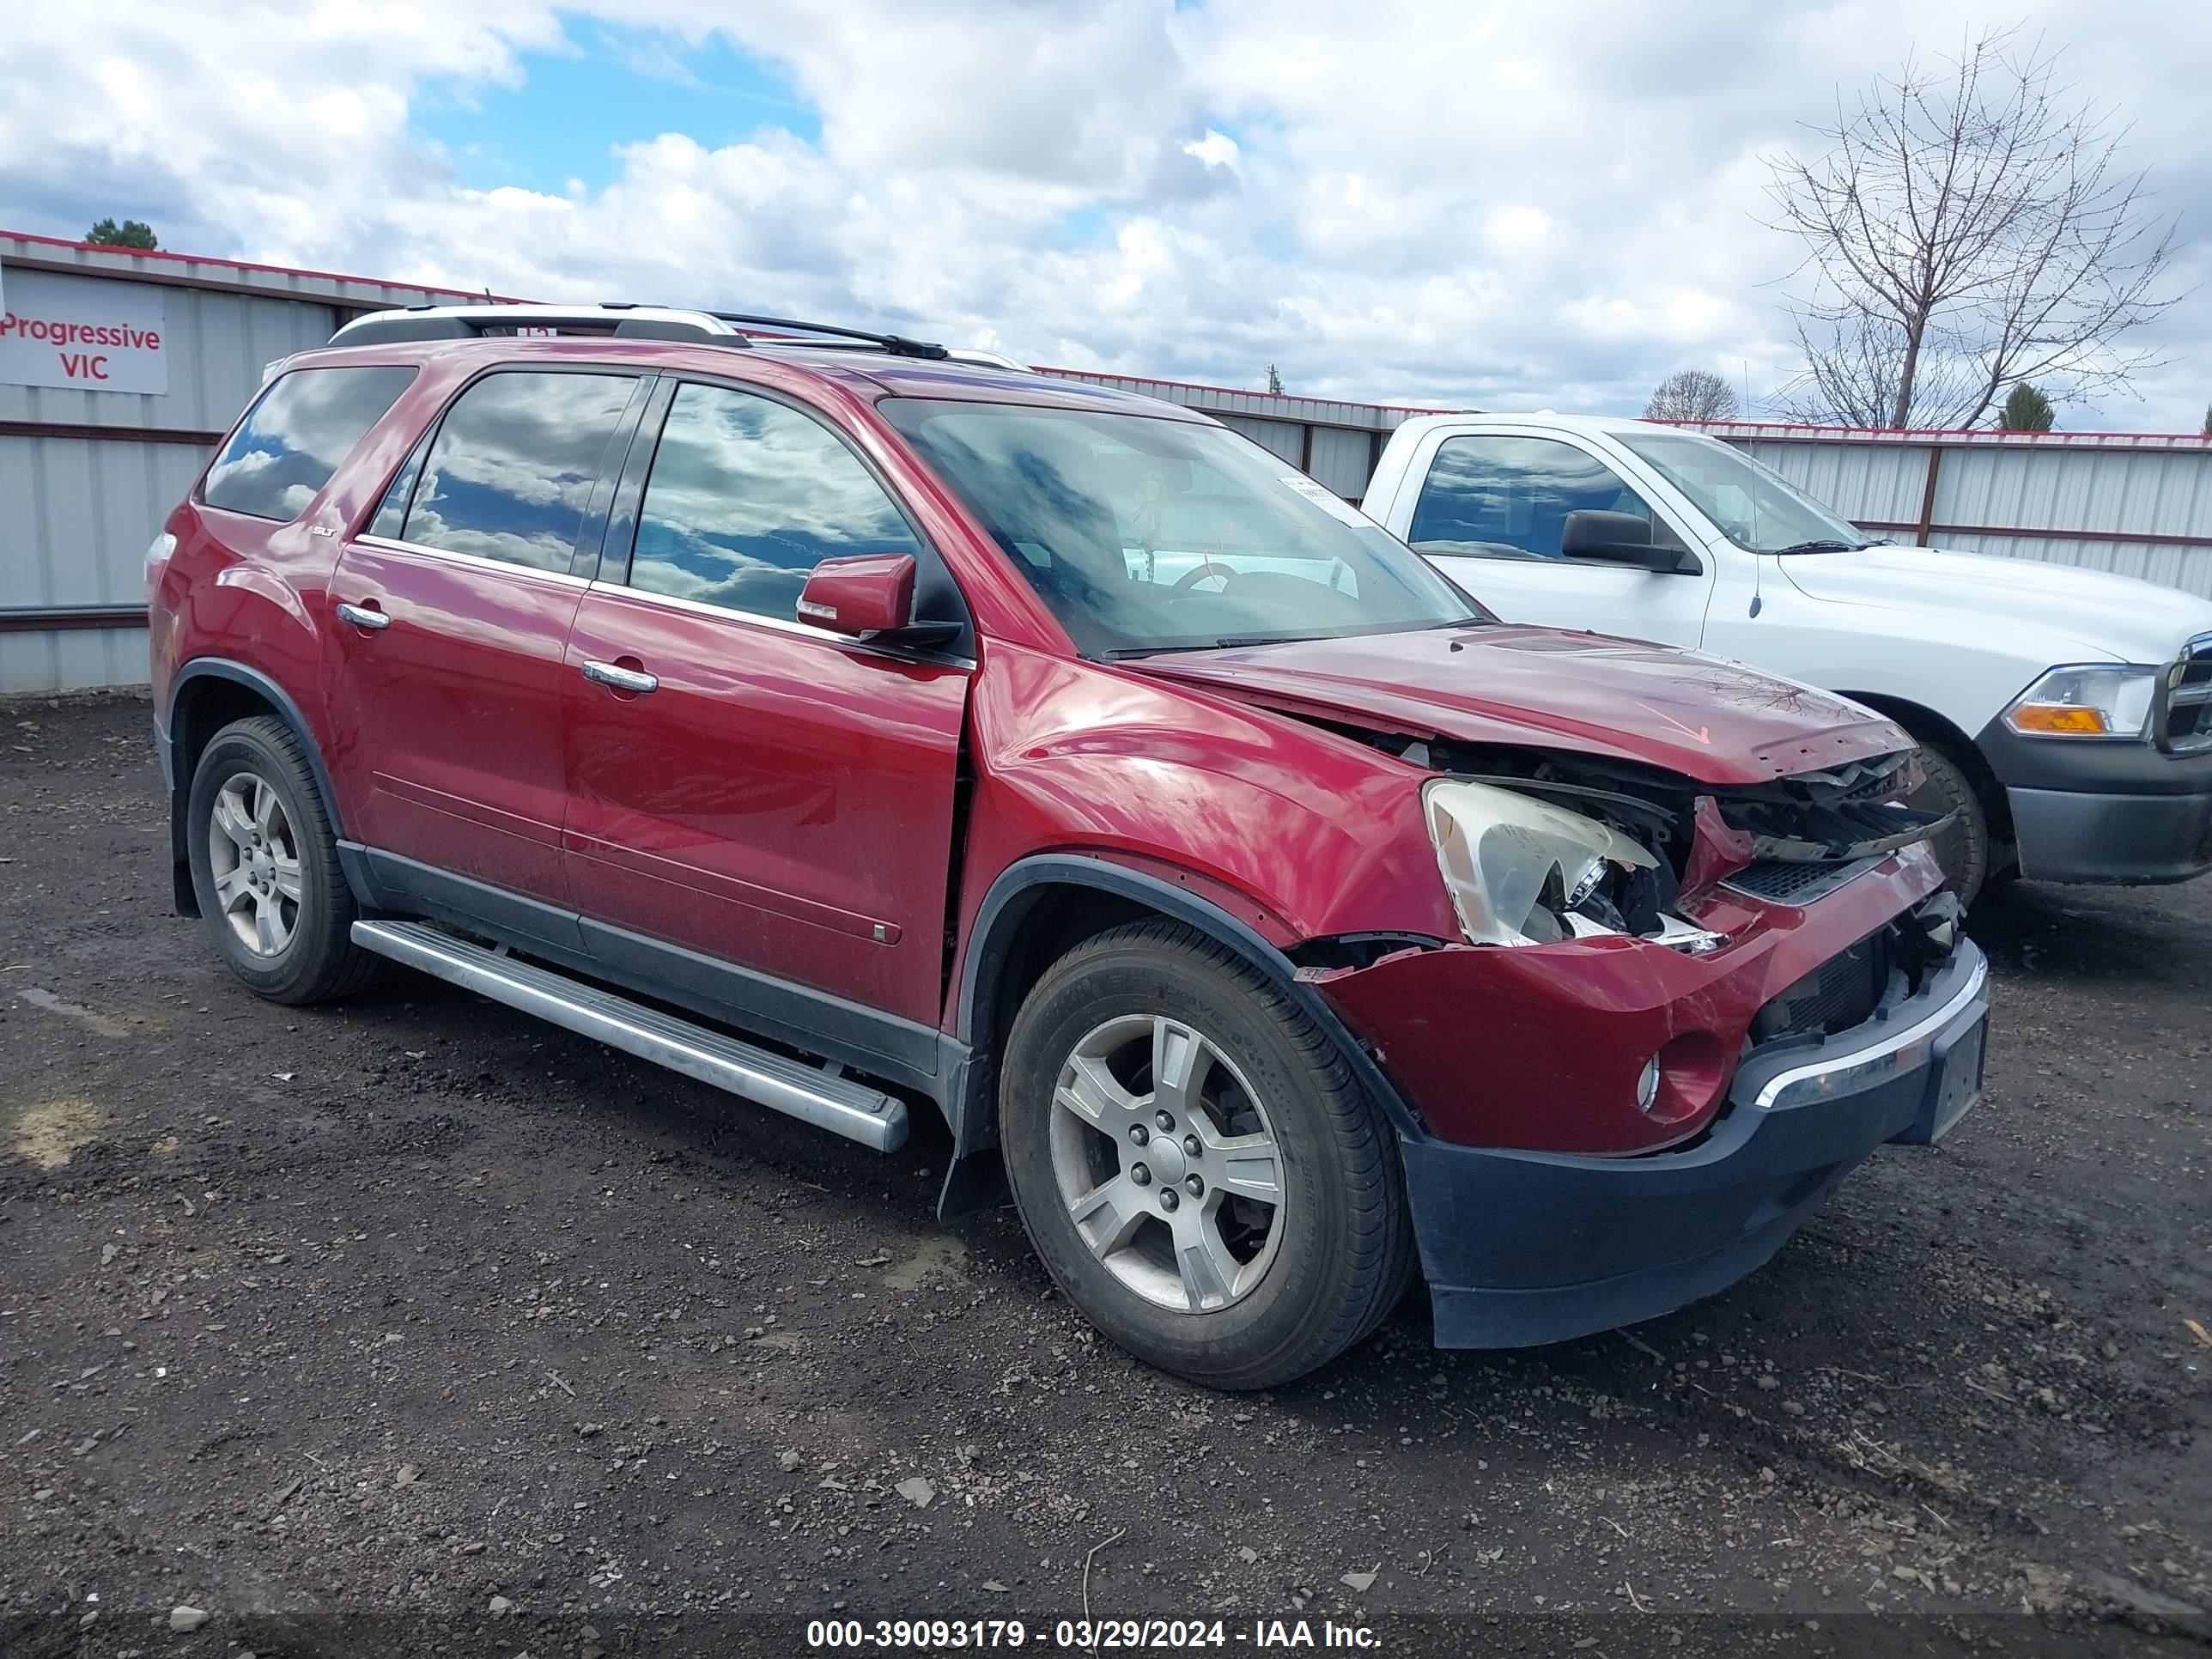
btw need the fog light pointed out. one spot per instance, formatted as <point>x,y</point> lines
<point>1647,1085</point>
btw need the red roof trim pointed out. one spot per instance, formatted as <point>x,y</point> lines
<point>1982,432</point>
<point>248,264</point>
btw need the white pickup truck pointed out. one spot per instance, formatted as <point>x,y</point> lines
<point>2064,714</point>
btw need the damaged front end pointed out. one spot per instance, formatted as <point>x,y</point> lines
<point>1535,850</point>
<point>1633,936</point>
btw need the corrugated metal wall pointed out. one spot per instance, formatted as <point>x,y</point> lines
<point>1336,442</point>
<point>1344,459</point>
<point>77,512</point>
<point>2140,505</point>
<point>78,506</point>
<point>1283,438</point>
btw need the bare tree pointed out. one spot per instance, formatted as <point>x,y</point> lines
<point>1692,394</point>
<point>1968,228</point>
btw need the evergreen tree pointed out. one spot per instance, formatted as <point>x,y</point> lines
<point>2026,409</point>
<point>131,233</point>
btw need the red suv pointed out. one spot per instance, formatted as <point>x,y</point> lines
<point>849,723</point>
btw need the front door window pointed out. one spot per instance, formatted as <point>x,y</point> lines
<point>1504,497</point>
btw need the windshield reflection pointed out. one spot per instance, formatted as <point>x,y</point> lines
<point>1754,506</point>
<point>1148,534</point>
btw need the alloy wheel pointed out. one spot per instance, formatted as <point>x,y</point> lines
<point>1168,1163</point>
<point>254,857</point>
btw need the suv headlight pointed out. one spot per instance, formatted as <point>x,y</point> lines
<point>2089,700</point>
<point>1501,855</point>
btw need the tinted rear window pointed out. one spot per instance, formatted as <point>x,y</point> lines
<point>296,435</point>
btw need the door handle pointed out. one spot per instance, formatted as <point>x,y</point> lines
<point>622,679</point>
<point>361,616</point>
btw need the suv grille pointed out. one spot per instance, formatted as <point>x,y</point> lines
<point>1783,881</point>
<point>2189,699</point>
<point>1841,992</point>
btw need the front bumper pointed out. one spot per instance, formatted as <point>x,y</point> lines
<point>2066,834</point>
<point>1523,1248</point>
<point>2093,811</point>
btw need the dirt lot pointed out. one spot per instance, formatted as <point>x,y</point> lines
<point>412,1322</point>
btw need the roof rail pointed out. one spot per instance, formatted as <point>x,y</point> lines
<point>632,322</point>
<point>994,359</point>
<point>898,344</point>
<point>628,322</point>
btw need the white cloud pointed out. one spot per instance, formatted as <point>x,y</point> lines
<point>1511,207</point>
<point>1216,149</point>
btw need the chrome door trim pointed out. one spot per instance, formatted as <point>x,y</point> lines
<point>474,561</point>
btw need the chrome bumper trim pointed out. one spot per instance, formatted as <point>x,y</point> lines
<point>1887,1053</point>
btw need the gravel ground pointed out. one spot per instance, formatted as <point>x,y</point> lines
<point>412,1323</point>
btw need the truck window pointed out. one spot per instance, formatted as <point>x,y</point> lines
<point>746,496</point>
<point>511,470</point>
<point>302,427</point>
<point>1501,497</point>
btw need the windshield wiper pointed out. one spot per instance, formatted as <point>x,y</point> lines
<point>1824,546</point>
<point>1230,642</point>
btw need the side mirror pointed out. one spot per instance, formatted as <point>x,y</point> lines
<point>1617,539</point>
<point>869,596</point>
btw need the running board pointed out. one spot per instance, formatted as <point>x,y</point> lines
<point>790,1086</point>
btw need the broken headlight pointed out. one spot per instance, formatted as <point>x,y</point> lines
<point>1519,869</point>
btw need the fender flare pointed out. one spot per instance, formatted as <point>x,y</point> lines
<point>1007,904</point>
<point>166,737</point>
<point>223,668</point>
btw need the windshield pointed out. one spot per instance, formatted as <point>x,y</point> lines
<point>1145,534</point>
<point>1754,508</point>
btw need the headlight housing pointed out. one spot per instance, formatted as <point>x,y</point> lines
<point>2087,700</point>
<point>1515,867</point>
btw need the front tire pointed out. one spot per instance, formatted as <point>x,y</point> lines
<point>1963,849</point>
<point>1195,1163</point>
<point>265,867</point>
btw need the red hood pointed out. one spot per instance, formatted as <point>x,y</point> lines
<point>1547,689</point>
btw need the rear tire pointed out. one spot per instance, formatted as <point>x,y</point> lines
<point>1147,1205</point>
<point>265,867</point>
<point>1963,848</point>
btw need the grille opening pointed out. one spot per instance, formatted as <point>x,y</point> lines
<point>1841,992</point>
<point>1783,881</point>
<point>2189,703</point>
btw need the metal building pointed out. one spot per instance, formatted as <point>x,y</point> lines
<point>2137,503</point>
<point>1335,443</point>
<point>119,372</point>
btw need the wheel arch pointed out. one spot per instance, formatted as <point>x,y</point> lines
<point>207,695</point>
<point>1924,725</point>
<point>1038,910</point>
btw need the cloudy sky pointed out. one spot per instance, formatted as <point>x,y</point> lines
<point>1507,206</point>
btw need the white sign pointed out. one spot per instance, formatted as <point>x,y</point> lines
<point>88,333</point>
<point>1329,500</point>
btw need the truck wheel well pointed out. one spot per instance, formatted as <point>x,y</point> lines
<point>1929,727</point>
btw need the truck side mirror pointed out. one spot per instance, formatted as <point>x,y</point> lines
<point>1617,539</point>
